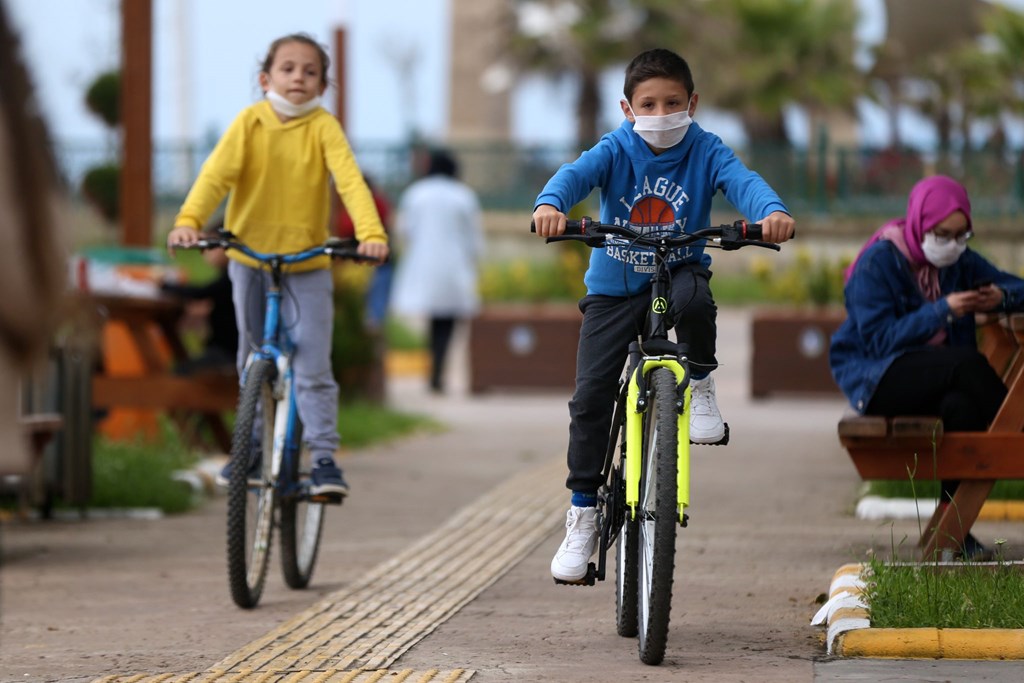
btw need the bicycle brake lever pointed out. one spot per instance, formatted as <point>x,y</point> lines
<point>589,240</point>
<point>730,245</point>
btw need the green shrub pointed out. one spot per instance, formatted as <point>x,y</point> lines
<point>103,98</point>
<point>101,186</point>
<point>522,280</point>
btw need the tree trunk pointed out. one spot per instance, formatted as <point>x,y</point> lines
<point>587,108</point>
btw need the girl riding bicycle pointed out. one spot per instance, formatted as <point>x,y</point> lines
<point>275,163</point>
<point>657,172</point>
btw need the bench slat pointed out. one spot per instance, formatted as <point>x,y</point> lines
<point>863,425</point>
<point>961,455</point>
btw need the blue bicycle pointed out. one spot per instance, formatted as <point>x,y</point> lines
<point>270,467</point>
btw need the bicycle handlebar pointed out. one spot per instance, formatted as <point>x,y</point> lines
<point>728,237</point>
<point>335,247</point>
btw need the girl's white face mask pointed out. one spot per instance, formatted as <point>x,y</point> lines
<point>941,255</point>
<point>286,108</point>
<point>664,131</point>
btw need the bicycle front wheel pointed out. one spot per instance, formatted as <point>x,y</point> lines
<point>657,513</point>
<point>250,506</point>
<point>301,520</point>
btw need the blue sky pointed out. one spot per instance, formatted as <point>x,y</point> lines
<point>207,54</point>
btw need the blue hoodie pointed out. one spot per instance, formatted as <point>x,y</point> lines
<point>669,192</point>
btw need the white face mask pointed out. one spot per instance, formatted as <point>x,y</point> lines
<point>941,255</point>
<point>286,108</point>
<point>662,132</point>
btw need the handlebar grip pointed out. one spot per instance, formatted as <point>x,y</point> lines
<point>572,227</point>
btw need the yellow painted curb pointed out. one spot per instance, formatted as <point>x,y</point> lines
<point>931,643</point>
<point>849,633</point>
<point>1002,511</point>
<point>406,363</point>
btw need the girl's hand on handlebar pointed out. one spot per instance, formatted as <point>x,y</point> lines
<point>548,221</point>
<point>374,250</point>
<point>181,236</point>
<point>777,227</point>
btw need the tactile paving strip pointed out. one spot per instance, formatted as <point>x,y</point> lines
<point>356,633</point>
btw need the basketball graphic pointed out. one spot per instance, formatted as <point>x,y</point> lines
<point>652,212</point>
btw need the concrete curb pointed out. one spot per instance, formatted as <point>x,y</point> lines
<point>877,507</point>
<point>849,632</point>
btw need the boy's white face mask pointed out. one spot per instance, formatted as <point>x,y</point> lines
<point>664,131</point>
<point>941,255</point>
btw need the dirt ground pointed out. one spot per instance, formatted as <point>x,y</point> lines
<point>770,523</point>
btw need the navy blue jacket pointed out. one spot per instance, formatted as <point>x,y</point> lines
<point>887,315</point>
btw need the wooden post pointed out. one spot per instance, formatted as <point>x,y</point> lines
<point>136,192</point>
<point>340,86</point>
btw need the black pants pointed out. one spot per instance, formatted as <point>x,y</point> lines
<point>955,383</point>
<point>610,324</point>
<point>441,330</point>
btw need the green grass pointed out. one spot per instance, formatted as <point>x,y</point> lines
<point>140,473</point>
<point>364,424</point>
<point>965,596</point>
<point>1003,490</point>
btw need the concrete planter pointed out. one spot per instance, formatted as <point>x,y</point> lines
<point>524,346</point>
<point>790,351</point>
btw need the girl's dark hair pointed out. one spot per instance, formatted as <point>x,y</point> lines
<point>657,63</point>
<point>325,60</point>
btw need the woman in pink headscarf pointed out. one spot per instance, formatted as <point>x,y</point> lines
<point>908,344</point>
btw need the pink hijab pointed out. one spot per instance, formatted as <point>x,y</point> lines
<point>931,201</point>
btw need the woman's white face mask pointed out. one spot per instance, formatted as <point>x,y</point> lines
<point>941,255</point>
<point>664,131</point>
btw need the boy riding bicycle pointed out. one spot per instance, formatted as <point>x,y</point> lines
<point>658,173</point>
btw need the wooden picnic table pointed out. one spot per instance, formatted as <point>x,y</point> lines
<point>891,448</point>
<point>153,327</point>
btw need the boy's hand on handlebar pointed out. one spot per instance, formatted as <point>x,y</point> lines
<point>548,221</point>
<point>181,236</point>
<point>374,250</point>
<point>777,227</point>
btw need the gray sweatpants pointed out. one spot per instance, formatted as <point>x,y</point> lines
<point>307,313</point>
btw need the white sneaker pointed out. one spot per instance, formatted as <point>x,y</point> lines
<point>570,562</point>
<point>706,424</point>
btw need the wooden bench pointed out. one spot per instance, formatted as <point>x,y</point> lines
<point>905,447</point>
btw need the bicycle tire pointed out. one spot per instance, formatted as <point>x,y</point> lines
<point>658,516</point>
<point>302,520</point>
<point>626,550</point>
<point>251,509</point>
<point>627,587</point>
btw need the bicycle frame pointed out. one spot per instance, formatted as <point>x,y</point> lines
<point>641,364</point>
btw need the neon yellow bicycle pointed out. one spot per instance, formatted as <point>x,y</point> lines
<point>647,489</point>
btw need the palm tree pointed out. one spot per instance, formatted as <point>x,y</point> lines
<point>585,38</point>
<point>768,54</point>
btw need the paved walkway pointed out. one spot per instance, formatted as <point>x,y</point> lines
<point>437,568</point>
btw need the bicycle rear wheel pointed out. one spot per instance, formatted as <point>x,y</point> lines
<point>251,508</point>
<point>626,585</point>
<point>657,512</point>
<point>301,520</point>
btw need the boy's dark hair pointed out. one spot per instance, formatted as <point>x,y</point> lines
<point>657,63</point>
<point>305,38</point>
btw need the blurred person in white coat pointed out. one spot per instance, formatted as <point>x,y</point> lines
<point>441,237</point>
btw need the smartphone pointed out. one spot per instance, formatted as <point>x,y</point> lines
<point>980,284</point>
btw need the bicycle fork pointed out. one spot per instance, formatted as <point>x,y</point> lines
<point>636,406</point>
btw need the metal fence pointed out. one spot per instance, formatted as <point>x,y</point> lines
<point>825,180</point>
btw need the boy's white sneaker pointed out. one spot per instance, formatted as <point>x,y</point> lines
<point>706,424</point>
<point>573,556</point>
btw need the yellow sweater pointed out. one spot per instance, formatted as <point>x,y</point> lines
<point>277,175</point>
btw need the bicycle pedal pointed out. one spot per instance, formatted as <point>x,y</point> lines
<point>588,580</point>
<point>721,442</point>
<point>327,498</point>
